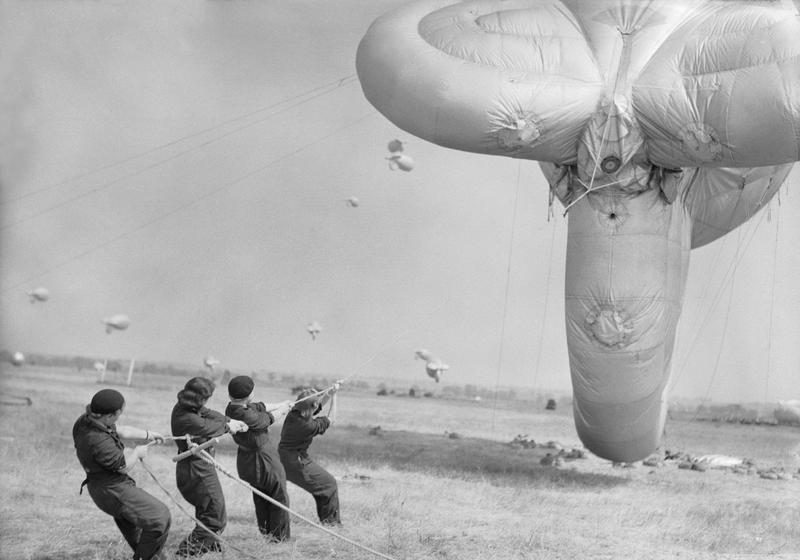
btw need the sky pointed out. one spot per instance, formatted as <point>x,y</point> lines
<point>188,164</point>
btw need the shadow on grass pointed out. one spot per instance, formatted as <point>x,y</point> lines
<point>439,455</point>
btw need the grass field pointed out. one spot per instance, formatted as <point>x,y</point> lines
<point>411,491</point>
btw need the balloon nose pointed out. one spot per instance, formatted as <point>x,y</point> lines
<point>624,433</point>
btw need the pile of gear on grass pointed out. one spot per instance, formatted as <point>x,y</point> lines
<point>726,463</point>
<point>556,458</point>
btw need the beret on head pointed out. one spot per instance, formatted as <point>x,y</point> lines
<point>240,386</point>
<point>200,386</point>
<point>106,401</point>
<point>308,404</point>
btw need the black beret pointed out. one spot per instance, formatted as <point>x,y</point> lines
<point>107,401</point>
<point>201,386</point>
<point>240,386</point>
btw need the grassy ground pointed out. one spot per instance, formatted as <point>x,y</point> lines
<point>412,492</point>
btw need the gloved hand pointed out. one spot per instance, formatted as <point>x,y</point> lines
<point>282,409</point>
<point>155,436</point>
<point>236,426</point>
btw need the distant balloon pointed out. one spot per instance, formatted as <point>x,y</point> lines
<point>435,370</point>
<point>422,354</point>
<point>18,358</point>
<point>99,367</point>
<point>210,362</point>
<point>118,322</point>
<point>433,366</point>
<point>395,146</point>
<point>314,329</point>
<point>788,412</point>
<point>400,161</point>
<point>39,294</point>
<point>352,202</point>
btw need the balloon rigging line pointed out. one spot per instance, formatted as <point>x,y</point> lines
<point>721,346</point>
<point>738,255</point>
<point>544,313</point>
<point>714,263</point>
<point>183,207</point>
<point>390,344</point>
<point>727,277</point>
<point>589,190</point>
<point>590,187</point>
<point>335,85</point>
<point>772,303</point>
<point>507,290</point>
<point>155,165</point>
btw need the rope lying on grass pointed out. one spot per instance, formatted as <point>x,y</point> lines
<point>209,459</point>
<point>192,517</point>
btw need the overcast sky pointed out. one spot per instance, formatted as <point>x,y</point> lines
<point>187,164</point>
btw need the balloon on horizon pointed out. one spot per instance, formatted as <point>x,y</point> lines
<point>659,132</point>
<point>17,358</point>
<point>118,322</point>
<point>433,366</point>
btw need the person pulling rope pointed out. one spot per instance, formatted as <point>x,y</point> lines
<point>198,483</point>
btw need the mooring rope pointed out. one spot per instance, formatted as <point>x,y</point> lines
<point>199,450</point>
<point>209,459</point>
<point>188,514</point>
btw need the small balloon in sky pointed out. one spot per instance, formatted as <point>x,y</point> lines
<point>39,294</point>
<point>18,358</point>
<point>400,161</point>
<point>99,367</point>
<point>313,329</point>
<point>352,202</point>
<point>118,322</point>
<point>210,362</point>
<point>395,146</point>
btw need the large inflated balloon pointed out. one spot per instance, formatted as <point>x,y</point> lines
<point>117,322</point>
<point>660,125</point>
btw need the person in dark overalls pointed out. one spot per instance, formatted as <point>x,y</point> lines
<point>143,520</point>
<point>299,429</point>
<point>197,479</point>
<point>257,460</point>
